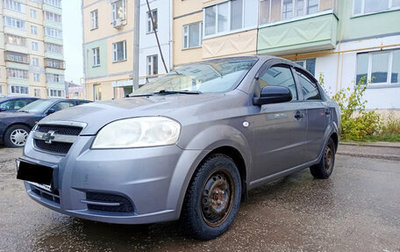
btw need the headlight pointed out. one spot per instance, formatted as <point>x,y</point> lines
<point>138,132</point>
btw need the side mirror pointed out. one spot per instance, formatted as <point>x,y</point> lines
<point>50,111</point>
<point>273,94</point>
<point>2,109</point>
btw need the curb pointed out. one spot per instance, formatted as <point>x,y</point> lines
<point>382,156</point>
<point>376,144</point>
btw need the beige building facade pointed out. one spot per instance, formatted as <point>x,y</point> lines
<point>31,48</point>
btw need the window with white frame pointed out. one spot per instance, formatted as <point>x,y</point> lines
<point>298,8</point>
<point>152,65</point>
<point>35,61</point>
<point>155,20</point>
<point>52,17</point>
<point>37,92</point>
<point>53,32</point>
<point>118,10</point>
<point>94,20</point>
<point>119,51</point>
<point>54,78</point>
<point>56,93</point>
<point>19,90</point>
<point>15,40</point>
<point>308,64</point>
<point>35,46</point>
<point>14,5</point>
<point>36,77</point>
<point>33,14</point>
<point>15,73</point>
<point>14,22</point>
<point>96,56</point>
<point>379,67</point>
<point>361,7</point>
<point>230,16</point>
<point>97,92</point>
<point>192,35</point>
<point>53,48</point>
<point>34,29</point>
<point>55,3</point>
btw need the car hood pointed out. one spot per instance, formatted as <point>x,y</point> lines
<point>14,115</point>
<point>97,114</point>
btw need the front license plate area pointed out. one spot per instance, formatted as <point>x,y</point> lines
<point>35,173</point>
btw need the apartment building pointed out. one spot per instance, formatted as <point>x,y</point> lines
<point>340,40</point>
<point>31,48</point>
<point>108,45</point>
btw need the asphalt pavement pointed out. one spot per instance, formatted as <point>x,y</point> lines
<point>357,209</point>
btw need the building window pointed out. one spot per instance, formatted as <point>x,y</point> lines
<point>118,10</point>
<point>370,6</point>
<point>1,89</point>
<point>19,90</point>
<point>15,40</point>
<point>36,92</point>
<point>230,16</point>
<point>152,65</point>
<point>35,46</point>
<point>155,20</point>
<point>298,8</point>
<point>96,56</point>
<point>192,35</point>
<point>56,93</point>
<point>55,3</point>
<point>53,48</point>
<point>97,92</point>
<point>35,61</point>
<point>36,77</point>
<point>33,14</point>
<point>119,51</point>
<point>55,78</point>
<point>54,63</point>
<point>14,22</point>
<point>15,73</point>
<point>16,57</point>
<point>379,67</point>
<point>52,17</point>
<point>14,5</point>
<point>52,32</point>
<point>33,29</point>
<point>94,19</point>
<point>308,64</point>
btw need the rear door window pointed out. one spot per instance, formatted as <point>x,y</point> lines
<point>308,86</point>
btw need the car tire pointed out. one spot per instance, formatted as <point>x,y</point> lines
<point>15,136</point>
<point>212,199</point>
<point>324,168</point>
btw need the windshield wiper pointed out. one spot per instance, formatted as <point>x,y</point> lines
<point>25,111</point>
<point>167,92</point>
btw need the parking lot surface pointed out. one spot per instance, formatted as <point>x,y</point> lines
<point>357,209</point>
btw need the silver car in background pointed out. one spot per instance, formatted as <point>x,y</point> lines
<point>188,146</point>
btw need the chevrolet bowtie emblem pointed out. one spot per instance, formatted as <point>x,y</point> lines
<point>49,136</point>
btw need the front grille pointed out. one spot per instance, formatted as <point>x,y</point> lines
<point>56,147</point>
<point>125,205</point>
<point>59,129</point>
<point>55,196</point>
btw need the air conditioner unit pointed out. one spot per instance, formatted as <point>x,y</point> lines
<point>117,23</point>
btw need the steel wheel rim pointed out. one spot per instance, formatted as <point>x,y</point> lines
<point>18,137</point>
<point>217,197</point>
<point>328,158</point>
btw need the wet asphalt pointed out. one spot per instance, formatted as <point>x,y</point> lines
<point>357,209</point>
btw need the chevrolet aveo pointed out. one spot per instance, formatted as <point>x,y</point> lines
<point>188,146</point>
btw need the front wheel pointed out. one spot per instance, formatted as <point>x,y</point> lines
<point>324,168</point>
<point>16,135</point>
<point>212,199</point>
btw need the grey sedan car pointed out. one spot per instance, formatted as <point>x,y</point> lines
<point>188,146</point>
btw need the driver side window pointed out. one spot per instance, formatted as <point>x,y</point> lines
<point>61,106</point>
<point>277,76</point>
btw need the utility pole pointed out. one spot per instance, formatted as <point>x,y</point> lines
<point>136,39</point>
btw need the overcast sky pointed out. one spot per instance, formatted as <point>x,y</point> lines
<point>72,34</point>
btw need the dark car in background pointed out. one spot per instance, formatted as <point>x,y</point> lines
<point>12,104</point>
<point>15,127</point>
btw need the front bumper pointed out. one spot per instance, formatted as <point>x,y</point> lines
<point>153,180</point>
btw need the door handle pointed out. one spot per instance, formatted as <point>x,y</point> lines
<point>298,115</point>
<point>327,112</point>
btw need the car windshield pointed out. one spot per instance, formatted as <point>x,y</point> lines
<point>217,76</point>
<point>38,106</point>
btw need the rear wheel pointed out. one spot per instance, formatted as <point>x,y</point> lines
<point>16,135</point>
<point>213,198</point>
<point>324,168</point>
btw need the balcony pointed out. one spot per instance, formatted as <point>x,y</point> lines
<point>54,63</point>
<point>22,58</point>
<point>288,28</point>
